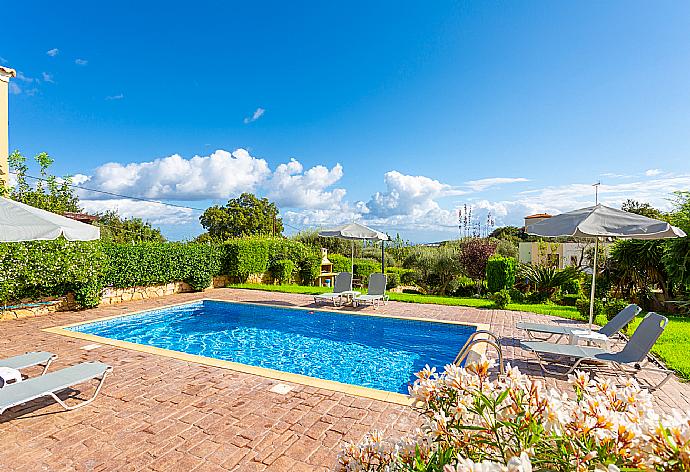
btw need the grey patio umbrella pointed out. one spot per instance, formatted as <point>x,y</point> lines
<point>21,222</point>
<point>599,221</point>
<point>356,232</point>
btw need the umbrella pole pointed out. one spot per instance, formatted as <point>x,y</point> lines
<point>383,257</point>
<point>352,263</point>
<point>594,280</point>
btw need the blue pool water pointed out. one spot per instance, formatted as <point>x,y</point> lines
<point>370,351</point>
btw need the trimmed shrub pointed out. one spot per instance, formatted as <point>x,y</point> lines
<point>244,257</point>
<point>30,270</point>
<point>500,273</point>
<point>392,280</point>
<point>517,296</point>
<point>613,306</point>
<point>131,265</point>
<point>281,270</point>
<point>571,287</point>
<point>501,299</point>
<point>365,267</point>
<point>582,305</point>
<point>570,299</point>
<point>340,263</point>
<point>406,276</point>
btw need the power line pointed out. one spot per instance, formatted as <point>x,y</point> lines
<point>141,199</point>
<point>112,194</point>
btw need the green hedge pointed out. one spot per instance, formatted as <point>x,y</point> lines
<point>365,267</point>
<point>243,257</point>
<point>131,265</point>
<point>52,268</point>
<point>340,263</point>
<point>281,270</point>
<point>500,273</point>
<point>31,270</point>
<point>406,276</point>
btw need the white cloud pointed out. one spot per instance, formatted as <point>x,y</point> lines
<point>81,62</point>
<point>53,52</point>
<point>119,96</point>
<point>154,213</point>
<point>483,184</point>
<point>652,172</point>
<point>219,175</point>
<point>31,92</point>
<point>24,78</point>
<point>47,77</point>
<point>408,195</point>
<point>255,116</point>
<point>290,186</point>
<point>14,88</point>
<point>562,198</point>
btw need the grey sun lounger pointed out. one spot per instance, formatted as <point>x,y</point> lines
<point>610,329</point>
<point>343,283</point>
<point>50,384</point>
<point>376,292</point>
<point>632,359</point>
<point>29,359</point>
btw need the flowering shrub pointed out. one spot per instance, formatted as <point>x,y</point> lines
<point>474,424</point>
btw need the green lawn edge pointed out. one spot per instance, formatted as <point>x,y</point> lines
<point>541,309</point>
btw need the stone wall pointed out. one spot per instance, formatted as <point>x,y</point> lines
<point>43,307</point>
<point>110,296</point>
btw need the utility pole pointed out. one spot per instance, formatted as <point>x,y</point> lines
<point>596,192</point>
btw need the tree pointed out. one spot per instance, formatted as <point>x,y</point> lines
<point>677,251</point>
<point>473,256</point>
<point>242,216</point>
<point>509,233</point>
<point>49,193</point>
<point>644,209</point>
<point>127,230</point>
<point>435,268</point>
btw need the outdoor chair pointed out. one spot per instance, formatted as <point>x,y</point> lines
<point>376,293</point>
<point>343,283</point>
<point>632,359</point>
<point>610,329</point>
<point>30,359</point>
<point>50,384</point>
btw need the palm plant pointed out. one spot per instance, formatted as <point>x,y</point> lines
<point>546,280</point>
<point>637,266</point>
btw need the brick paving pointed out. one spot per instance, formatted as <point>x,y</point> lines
<point>161,414</point>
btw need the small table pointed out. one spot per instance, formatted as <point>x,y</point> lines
<point>590,337</point>
<point>350,295</point>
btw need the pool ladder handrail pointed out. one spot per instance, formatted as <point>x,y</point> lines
<point>492,340</point>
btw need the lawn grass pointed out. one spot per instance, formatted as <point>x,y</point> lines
<point>673,347</point>
<point>541,309</point>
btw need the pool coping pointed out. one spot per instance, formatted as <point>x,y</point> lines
<point>332,385</point>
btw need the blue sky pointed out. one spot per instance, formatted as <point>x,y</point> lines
<point>391,113</point>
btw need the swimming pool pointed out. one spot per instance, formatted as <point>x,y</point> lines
<point>370,351</point>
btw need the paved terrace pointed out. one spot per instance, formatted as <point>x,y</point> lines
<point>158,413</point>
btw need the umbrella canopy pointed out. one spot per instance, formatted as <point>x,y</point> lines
<point>600,221</point>
<point>21,222</point>
<point>354,232</point>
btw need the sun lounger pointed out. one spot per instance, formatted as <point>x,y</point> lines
<point>610,329</point>
<point>376,293</point>
<point>52,383</point>
<point>632,359</point>
<point>343,283</point>
<point>29,359</point>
